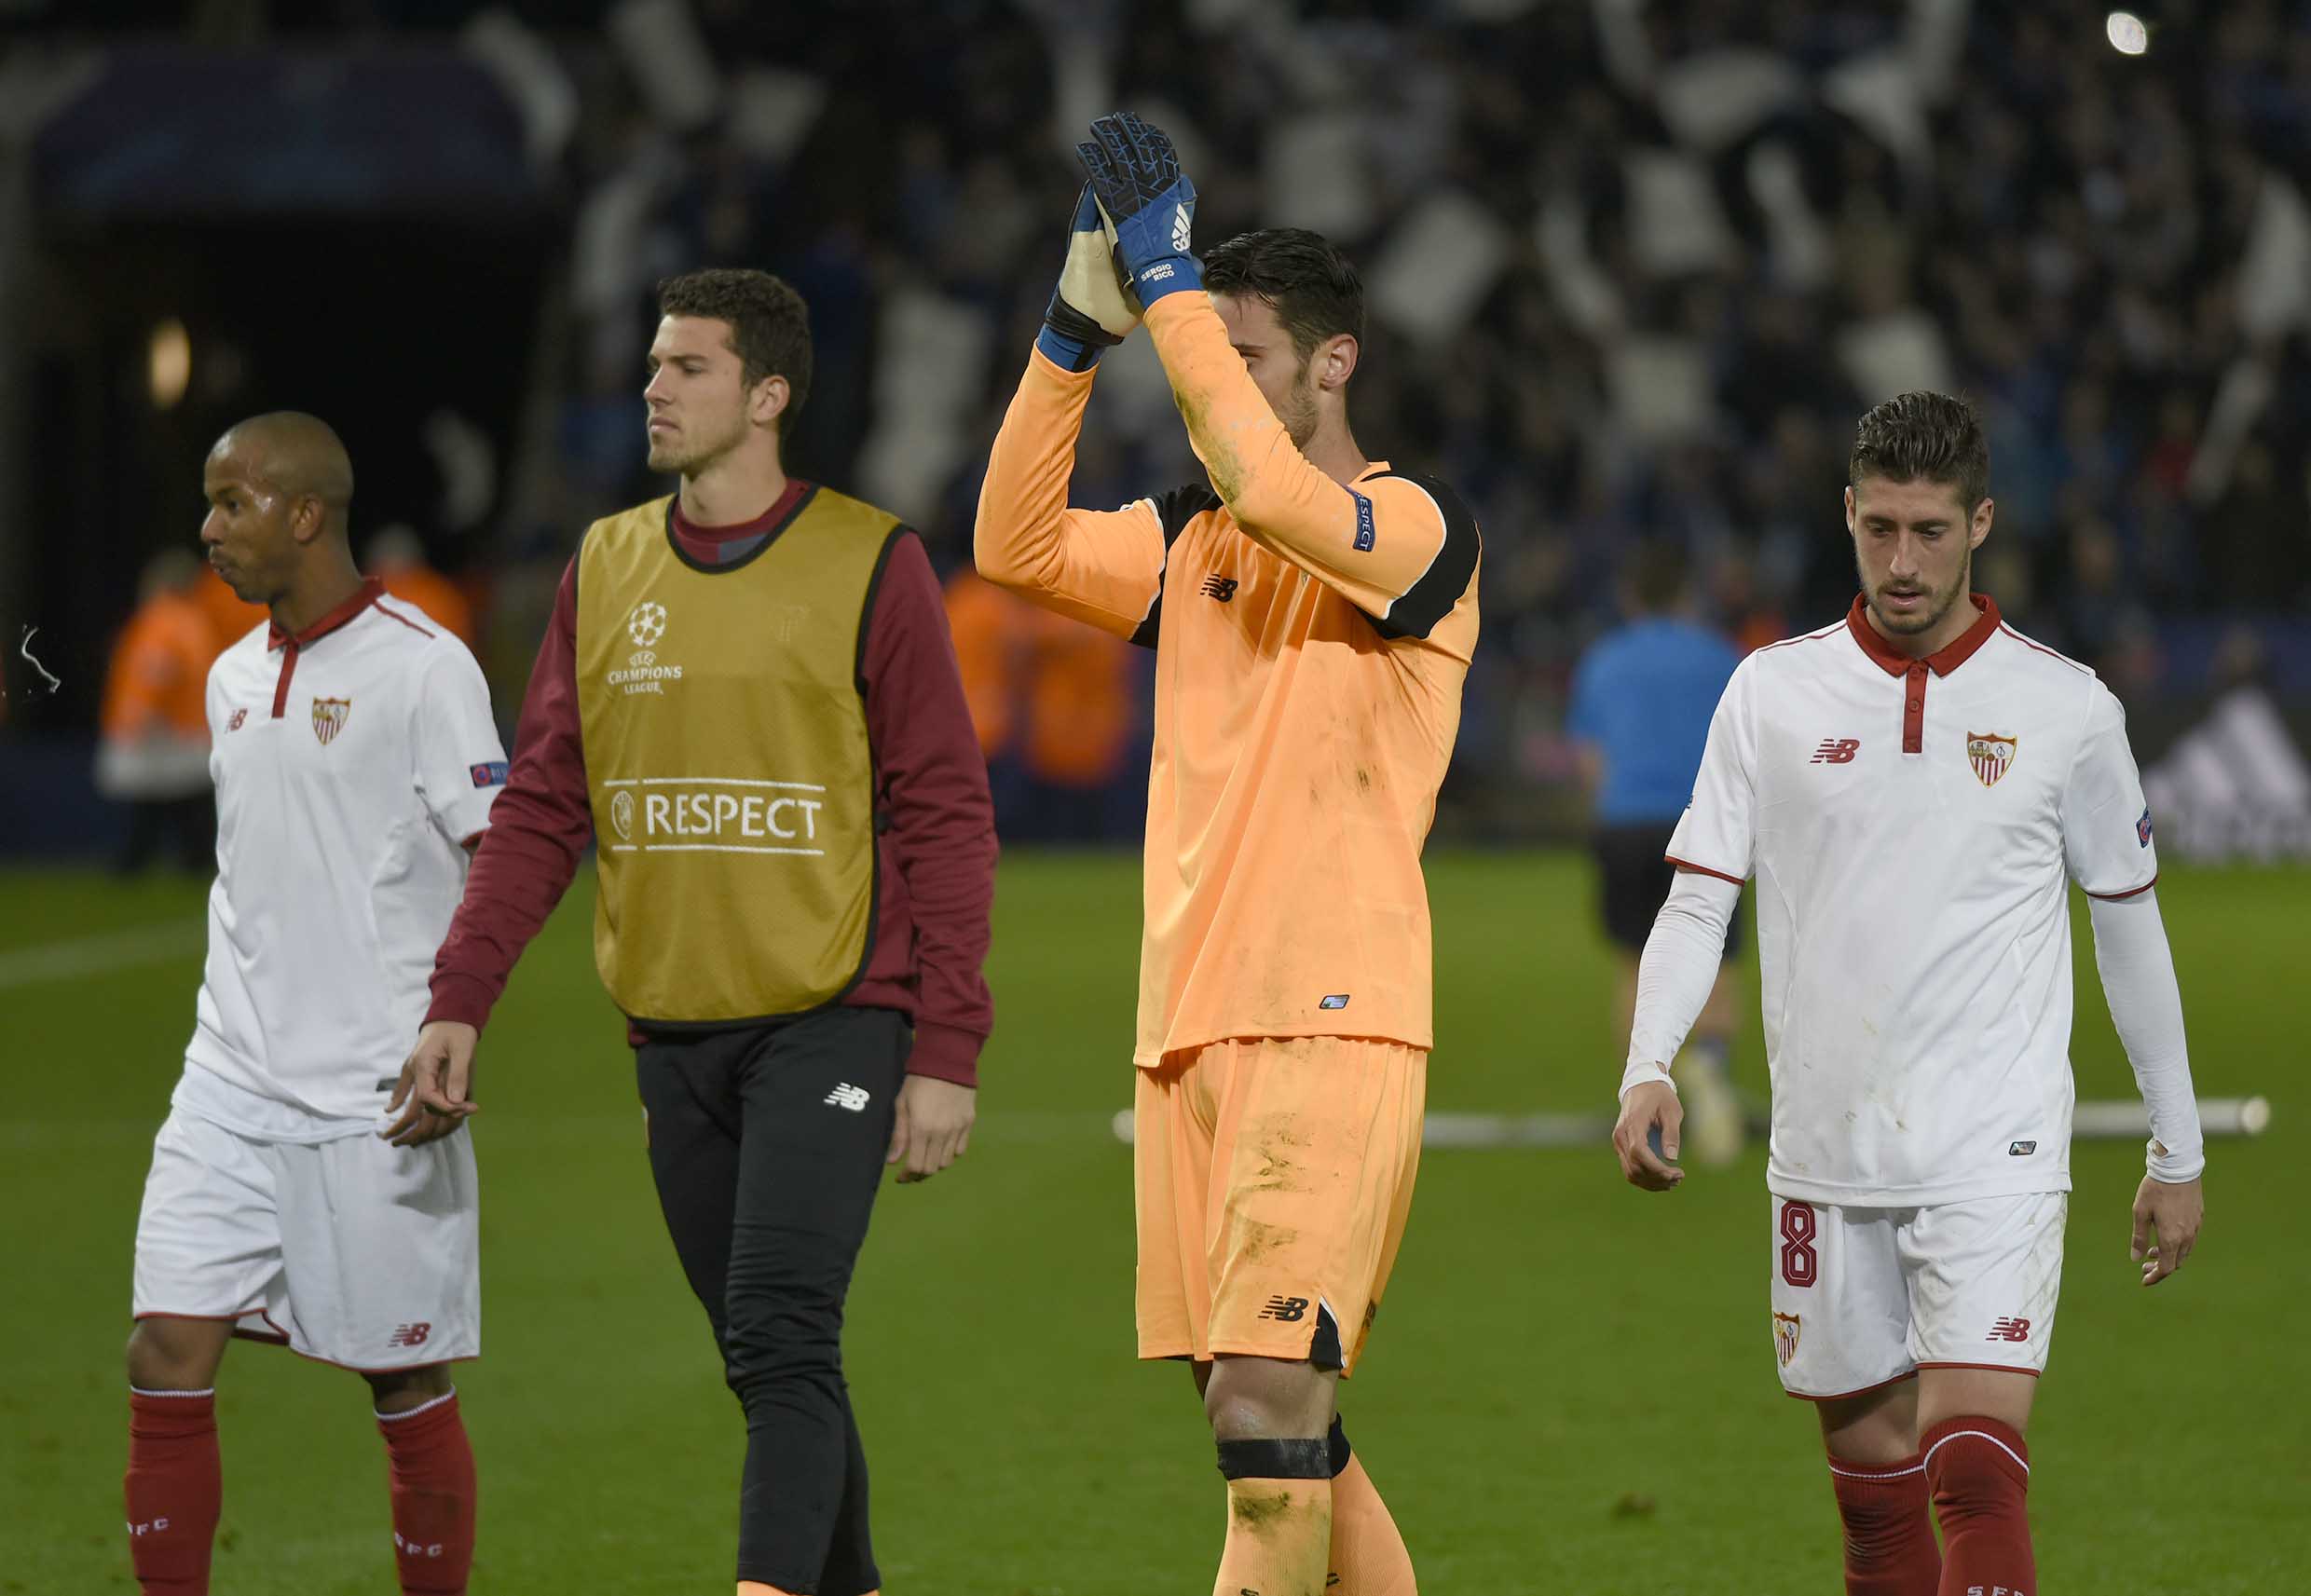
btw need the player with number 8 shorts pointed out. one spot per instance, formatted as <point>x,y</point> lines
<point>1313,613</point>
<point>1912,790</point>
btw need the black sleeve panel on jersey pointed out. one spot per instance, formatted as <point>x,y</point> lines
<point>1175,510</point>
<point>1431,598</point>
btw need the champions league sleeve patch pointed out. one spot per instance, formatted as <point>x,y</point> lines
<point>490,775</point>
<point>2142,829</point>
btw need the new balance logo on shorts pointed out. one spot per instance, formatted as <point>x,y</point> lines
<point>1286,1310</point>
<point>849,1097</point>
<point>2009,1330</point>
<point>409,1335</point>
<point>1836,751</point>
<point>1221,588</point>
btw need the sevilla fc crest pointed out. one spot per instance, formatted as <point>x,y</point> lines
<point>329,714</point>
<point>1990,753</point>
<point>1785,1337</point>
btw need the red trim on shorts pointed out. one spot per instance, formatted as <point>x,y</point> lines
<point>276,1339</point>
<point>1993,1368</point>
<point>1702,869</point>
<point>2129,893</point>
<point>1842,1396</point>
<point>398,1369</point>
<point>280,1337</point>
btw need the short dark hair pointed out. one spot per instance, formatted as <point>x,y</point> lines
<point>1313,288</point>
<point>770,325</point>
<point>1923,434</point>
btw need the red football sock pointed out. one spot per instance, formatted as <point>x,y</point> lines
<point>1979,1471</point>
<point>431,1465</point>
<point>175,1487</point>
<point>1889,1549</point>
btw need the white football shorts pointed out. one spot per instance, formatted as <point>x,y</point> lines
<point>349,1251</point>
<point>1864,1297</point>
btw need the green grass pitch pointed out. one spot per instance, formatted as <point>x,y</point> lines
<point>1571,1387</point>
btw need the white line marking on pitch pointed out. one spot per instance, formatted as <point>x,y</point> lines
<point>95,955</point>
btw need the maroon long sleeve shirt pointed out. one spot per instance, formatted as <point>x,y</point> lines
<point>936,861</point>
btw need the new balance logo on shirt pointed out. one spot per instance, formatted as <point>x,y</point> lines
<point>1221,588</point>
<point>1836,751</point>
<point>849,1097</point>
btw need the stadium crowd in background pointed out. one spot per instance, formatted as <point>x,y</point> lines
<point>1651,313</point>
<point>1635,268</point>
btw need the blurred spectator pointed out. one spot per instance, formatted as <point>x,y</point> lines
<point>1081,749</point>
<point>1056,706</point>
<point>153,752</point>
<point>1637,268</point>
<point>396,558</point>
<point>989,628</point>
<point>1643,699</point>
<point>231,618</point>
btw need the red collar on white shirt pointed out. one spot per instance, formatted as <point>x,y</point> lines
<point>1942,661</point>
<point>363,597</point>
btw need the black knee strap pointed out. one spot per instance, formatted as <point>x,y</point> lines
<point>1276,1459</point>
<point>1338,1441</point>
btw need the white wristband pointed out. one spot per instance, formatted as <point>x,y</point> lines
<point>1638,1074</point>
<point>2171,1168</point>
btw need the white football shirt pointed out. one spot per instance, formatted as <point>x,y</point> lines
<point>1910,825</point>
<point>352,763</point>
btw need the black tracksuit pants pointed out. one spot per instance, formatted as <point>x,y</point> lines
<point>767,1144</point>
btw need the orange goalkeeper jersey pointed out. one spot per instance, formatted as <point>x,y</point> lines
<point>1311,640</point>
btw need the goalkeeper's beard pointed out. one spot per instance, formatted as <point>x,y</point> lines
<point>1298,412</point>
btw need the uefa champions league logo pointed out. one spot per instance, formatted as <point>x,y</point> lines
<point>647,624</point>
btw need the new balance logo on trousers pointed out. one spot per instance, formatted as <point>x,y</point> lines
<point>849,1097</point>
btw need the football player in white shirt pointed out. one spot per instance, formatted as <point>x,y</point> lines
<point>1912,789</point>
<point>355,763</point>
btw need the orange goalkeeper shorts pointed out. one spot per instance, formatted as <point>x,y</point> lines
<point>1273,1177</point>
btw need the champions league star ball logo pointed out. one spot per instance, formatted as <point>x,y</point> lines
<point>622,815</point>
<point>1990,753</point>
<point>1785,1337</point>
<point>647,624</point>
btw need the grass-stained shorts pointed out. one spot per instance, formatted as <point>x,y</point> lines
<point>1273,1179</point>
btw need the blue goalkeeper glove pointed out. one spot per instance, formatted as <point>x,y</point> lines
<point>1091,308</point>
<point>1135,175</point>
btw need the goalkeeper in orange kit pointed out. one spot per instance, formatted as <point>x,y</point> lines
<point>1313,613</point>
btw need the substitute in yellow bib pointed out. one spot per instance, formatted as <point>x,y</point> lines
<point>748,701</point>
